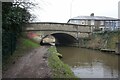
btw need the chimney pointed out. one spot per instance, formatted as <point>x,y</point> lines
<point>92,14</point>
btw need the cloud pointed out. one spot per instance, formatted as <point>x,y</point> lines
<point>61,10</point>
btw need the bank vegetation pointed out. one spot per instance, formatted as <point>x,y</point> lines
<point>59,69</point>
<point>107,40</point>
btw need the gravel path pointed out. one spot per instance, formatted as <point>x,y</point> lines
<point>32,65</point>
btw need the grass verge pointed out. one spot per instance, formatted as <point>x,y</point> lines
<point>59,69</point>
<point>24,46</point>
<point>27,43</point>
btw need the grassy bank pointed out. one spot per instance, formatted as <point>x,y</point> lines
<point>59,69</point>
<point>106,40</point>
<point>24,45</point>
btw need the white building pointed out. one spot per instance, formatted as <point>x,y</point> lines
<point>119,14</point>
<point>119,10</point>
<point>97,23</point>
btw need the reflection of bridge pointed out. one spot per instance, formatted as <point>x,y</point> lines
<point>61,31</point>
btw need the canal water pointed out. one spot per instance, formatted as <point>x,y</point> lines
<point>86,63</point>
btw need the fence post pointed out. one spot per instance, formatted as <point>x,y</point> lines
<point>117,48</point>
<point>11,41</point>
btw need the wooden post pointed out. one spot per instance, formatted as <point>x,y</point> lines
<point>117,48</point>
<point>78,36</point>
<point>11,36</point>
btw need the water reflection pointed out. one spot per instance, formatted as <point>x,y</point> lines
<point>87,63</point>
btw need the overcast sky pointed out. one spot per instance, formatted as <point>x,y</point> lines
<point>62,10</point>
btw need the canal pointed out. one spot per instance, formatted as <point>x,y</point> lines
<point>86,63</point>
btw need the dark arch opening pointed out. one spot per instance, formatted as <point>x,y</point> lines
<point>63,39</point>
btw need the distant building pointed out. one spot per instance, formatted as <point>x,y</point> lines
<point>119,10</point>
<point>97,23</point>
<point>119,15</point>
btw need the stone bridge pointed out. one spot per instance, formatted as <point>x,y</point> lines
<point>68,32</point>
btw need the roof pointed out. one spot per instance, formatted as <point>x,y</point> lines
<point>93,18</point>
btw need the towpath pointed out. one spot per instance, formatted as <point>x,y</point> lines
<point>32,65</point>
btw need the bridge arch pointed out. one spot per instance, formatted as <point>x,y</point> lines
<point>62,39</point>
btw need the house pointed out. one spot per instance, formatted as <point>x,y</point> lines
<point>119,14</point>
<point>119,9</point>
<point>97,23</point>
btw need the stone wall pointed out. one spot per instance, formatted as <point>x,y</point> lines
<point>58,26</point>
<point>50,28</point>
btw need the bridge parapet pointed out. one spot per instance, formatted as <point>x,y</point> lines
<point>58,27</point>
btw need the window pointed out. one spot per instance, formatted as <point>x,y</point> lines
<point>101,22</point>
<point>92,22</point>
